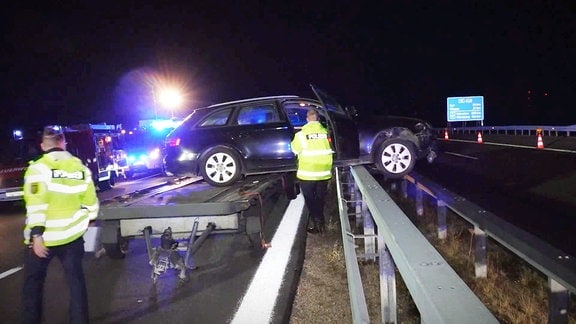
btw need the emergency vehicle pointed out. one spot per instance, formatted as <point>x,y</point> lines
<point>99,146</point>
<point>144,144</point>
<point>20,146</point>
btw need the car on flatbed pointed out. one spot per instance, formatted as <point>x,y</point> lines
<point>227,141</point>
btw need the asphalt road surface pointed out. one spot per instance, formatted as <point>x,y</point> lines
<point>533,189</point>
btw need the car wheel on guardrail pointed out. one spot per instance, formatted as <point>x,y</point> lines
<point>395,157</point>
<point>220,167</point>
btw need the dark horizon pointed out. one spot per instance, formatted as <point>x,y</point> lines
<point>94,62</point>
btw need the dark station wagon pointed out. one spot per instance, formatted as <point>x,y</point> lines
<point>226,141</point>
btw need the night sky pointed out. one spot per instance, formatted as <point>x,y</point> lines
<point>97,62</point>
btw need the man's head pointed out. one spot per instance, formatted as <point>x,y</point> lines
<point>53,137</point>
<point>312,115</point>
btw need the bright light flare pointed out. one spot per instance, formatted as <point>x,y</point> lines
<point>170,98</point>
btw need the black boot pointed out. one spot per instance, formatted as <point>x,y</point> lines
<point>312,228</point>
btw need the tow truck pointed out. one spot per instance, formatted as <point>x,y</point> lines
<point>189,210</point>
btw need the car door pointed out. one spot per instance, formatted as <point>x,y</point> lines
<point>263,136</point>
<point>341,127</point>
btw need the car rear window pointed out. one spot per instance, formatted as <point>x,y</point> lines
<point>218,118</point>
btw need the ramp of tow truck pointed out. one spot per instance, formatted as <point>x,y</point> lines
<point>233,282</point>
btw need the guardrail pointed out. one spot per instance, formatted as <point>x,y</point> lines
<point>558,266</point>
<point>439,293</point>
<point>433,285</point>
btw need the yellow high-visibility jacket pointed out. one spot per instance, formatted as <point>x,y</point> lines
<point>314,153</point>
<point>60,196</point>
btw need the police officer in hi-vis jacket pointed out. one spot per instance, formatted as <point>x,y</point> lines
<point>312,147</point>
<point>60,202</point>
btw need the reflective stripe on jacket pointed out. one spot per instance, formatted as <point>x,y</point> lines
<point>314,153</point>
<point>60,196</point>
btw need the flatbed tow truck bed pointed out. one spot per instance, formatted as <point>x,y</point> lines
<point>190,207</point>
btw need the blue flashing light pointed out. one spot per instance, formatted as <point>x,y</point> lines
<point>162,124</point>
<point>17,134</point>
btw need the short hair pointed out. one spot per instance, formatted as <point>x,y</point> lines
<point>53,135</point>
<point>312,113</point>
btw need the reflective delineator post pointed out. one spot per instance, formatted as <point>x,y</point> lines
<point>479,137</point>
<point>540,143</point>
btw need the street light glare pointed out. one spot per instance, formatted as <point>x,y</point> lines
<point>170,98</point>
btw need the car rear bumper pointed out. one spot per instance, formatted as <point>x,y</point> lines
<point>173,167</point>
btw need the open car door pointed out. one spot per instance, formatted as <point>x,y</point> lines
<point>341,129</point>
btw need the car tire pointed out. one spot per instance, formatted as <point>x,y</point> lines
<point>395,158</point>
<point>105,185</point>
<point>220,167</point>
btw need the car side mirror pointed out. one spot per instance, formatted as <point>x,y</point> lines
<point>352,111</point>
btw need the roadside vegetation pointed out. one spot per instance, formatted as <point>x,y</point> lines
<point>513,290</point>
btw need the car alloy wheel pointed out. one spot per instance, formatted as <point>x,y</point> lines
<point>396,158</point>
<point>221,167</point>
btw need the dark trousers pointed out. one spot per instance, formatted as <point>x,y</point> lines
<point>35,269</point>
<point>315,196</point>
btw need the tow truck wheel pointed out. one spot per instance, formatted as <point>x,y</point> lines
<point>395,158</point>
<point>220,167</point>
<point>116,250</point>
<point>291,187</point>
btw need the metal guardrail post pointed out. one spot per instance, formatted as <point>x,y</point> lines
<point>480,267</point>
<point>441,212</point>
<point>369,231</point>
<point>356,199</point>
<point>388,306</point>
<point>419,202</point>
<point>404,189</point>
<point>558,302</point>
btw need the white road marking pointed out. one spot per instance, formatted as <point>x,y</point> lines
<point>257,305</point>
<point>10,272</point>
<point>462,155</point>
<point>519,146</point>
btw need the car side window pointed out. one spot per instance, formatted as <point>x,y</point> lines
<point>218,118</point>
<point>253,115</point>
<point>296,112</point>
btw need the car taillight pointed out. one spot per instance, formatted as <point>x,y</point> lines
<point>171,142</point>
